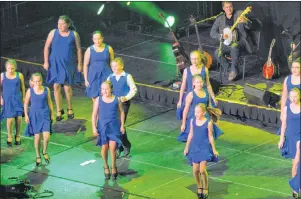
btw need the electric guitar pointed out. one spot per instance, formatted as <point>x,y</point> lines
<point>182,59</point>
<point>208,61</point>
<point>269,69</point>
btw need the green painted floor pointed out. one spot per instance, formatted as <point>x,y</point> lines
<point>250,164</point>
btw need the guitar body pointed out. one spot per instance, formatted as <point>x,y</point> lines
<point>181,57</point>
<point>269,70</point>
<point>208,59</point>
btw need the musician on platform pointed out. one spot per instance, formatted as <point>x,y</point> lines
<point>234,49</point>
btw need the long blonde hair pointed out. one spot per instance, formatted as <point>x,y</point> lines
<point>214,113</point>
<point>202,57</point>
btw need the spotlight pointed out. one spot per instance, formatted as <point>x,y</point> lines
<point>128,3</point>
<point>100,9</point>
<point>170,20</point>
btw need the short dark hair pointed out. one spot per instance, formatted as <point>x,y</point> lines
<point>224,2</point>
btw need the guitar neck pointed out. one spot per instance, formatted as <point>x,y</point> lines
<point>269,56</point>
<point>198,36</point>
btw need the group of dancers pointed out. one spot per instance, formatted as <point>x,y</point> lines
<point>111,90</point>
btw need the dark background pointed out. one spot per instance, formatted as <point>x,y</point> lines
<point>19,19</point>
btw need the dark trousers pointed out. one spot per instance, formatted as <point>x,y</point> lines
<point>124,139</point>
<point>234,52</point>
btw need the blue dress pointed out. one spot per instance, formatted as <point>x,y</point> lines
<point>62,62</point>
<point>189,88</point>
<point>295,181</point>
<point>12,97</point>
<point>200,148</point>
<point>98,70</point>
<point>39,114</point>
<point>292,134</point>
<point>290,86</point>
<point>108,125</point>
<point>195,101</point>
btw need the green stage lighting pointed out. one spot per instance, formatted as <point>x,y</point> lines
<point>170,20</point>
<point>100,9</point>
<point>128,3</point>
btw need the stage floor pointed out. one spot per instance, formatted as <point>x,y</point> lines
<point>250,164</point>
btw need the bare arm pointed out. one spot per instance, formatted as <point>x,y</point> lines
<point>111,52</point>
<point>46,49</point>
<point>284,95</point>
<point>50,104</point>
<point>189,138</point>
<point>1,78</point>
<point>79,52</point>
<point>209,88</point>
<point>211,139</point>
<point>183,86</point>
<point>22,86</point>
<point>1,100</point>
<point>86,63</point>
<point>26,102</point>
<point>283,124</point>
<point>187,107</point>
<point>95,115</point>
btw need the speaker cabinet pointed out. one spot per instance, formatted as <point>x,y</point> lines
<point>260,97</point>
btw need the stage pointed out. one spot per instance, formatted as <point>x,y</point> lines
<point>250,163</point>
<point>150,60</point>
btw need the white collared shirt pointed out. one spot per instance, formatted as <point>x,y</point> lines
<point>130,82</point>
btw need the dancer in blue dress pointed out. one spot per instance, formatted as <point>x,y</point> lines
<point>39,116</point>
<point>197,68</point>
<point>97,65</point>
<point>60,62</point>
<point>290,82</point>
<point>125,89</point>
<point>200,148</point>
<point>108,124</point>
<point>198,95</point>
<point>12,100</point>
<point>291,130</point>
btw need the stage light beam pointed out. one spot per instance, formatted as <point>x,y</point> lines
<point>100,9</point>
<point>128,3</point>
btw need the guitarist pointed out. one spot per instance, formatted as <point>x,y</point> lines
<point>243,40</point>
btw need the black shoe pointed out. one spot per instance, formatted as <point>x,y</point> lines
<point>205,195</point>
<point>70,116</point>
<point>38,162</point>
<point>60,117</point>
<point>9,142</point>
<point>200,195</point>
<point>107,175</point>
<point>126,152</point>
<point>17,140</point>
<point>296,195</point>
<point>46,158</point>
<point>114,175</point>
